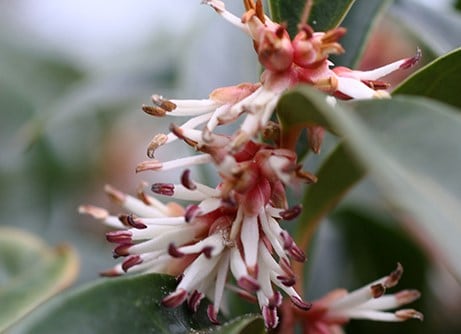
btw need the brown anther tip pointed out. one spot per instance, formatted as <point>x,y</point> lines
<point>122,250</point>
<point>130,221</point>
<point>291,213</point>
<point>207,251</point>
<point>175,298</point>
<point>394,277</point>
<point>165,189</point>
<point>192,211</point>
<point>153,110</point>
<point>131,261</point>
<point>377,290</point>
<point>157,141</point>
<point>407,314</point>
<point>173,251</point>
<point>163,103</point>
<point>297,254</point>
<point>306,176</point>
<point>186,180</point>
<point>300,304</point>
<point>194,300</point>
<point>114,194</point>
<point>212,315</point>
<point>119,237</point>
<point>287,280</point>
<point>410,62</point>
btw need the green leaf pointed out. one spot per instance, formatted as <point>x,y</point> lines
<point>409,146</point>
<point>117,305</point>
<point>30,273</point>
<point>359,23</point>
<point>325,15</point>
<point>438,80</point>
<point>247,324</point>
<point>335,177</point>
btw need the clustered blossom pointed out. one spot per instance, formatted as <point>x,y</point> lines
<point>235,226</point>
<point>370,302</point>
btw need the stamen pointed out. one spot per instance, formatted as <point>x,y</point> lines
<point>156,165</point>
<point>119,237</point>
<point>270,316</point>
<point>394,277</point>
<point>153,110</point>
<point>128,220</point>
<point>166,189</point>
<point>186,181</point>
<point>409,314</point>
<point>212,315</point>
<point>410,62</point>
<point>162,103</point>
<point>194,300</point>
<point>300,304</point>
<point>291,213</point>
<point>122,250</point>
<point>131,261</point>
<point>158,140</point>
<point>175,298</point>
<point>191,212</point>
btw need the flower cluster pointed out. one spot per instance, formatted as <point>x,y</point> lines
<point>335,309</point>
<point>235,226</point>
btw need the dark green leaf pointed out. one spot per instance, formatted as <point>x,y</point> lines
<point>30,273</point>
<point>438,80</point>
<point>325,15</point>
<point>247,324</point>
<point>410,147</point>
<point>335,177</point>
<point>117,305</point>
<point>359,23</point>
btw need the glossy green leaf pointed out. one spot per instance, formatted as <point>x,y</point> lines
<point>30,273</point>
<point>247,324</point>
<point>410,147</point>
<point>359,23</point>
<point>335,177</point>
<point>325,15</point>
<point>438,80</point>
<point>439,29</point>
<point>117,305</point>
